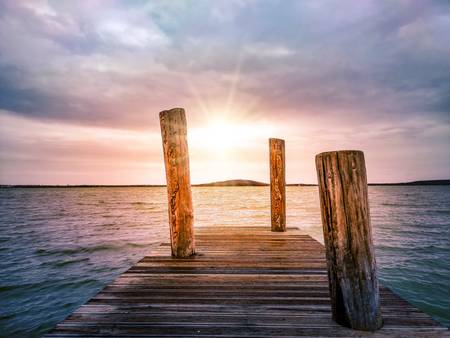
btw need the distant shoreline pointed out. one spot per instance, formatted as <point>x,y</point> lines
<point>228,183</point>
<point>414,183</point>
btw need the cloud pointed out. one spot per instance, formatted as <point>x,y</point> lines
<point>373,56</point>
<point>83,64</point>
<point>380,67</point>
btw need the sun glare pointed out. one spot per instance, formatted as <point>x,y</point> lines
<point>219,136</point>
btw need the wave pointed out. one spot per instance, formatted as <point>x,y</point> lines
<point>438,211</point>
<point>70,261</point>
<point>138,245</point>
<point>146,205</point>
<point>71,251</point>
<point>89,249</point>
<point>5,317</point>
<point>45,285</point>
<point>392,204</point>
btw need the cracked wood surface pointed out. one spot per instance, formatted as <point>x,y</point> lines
<point>176,160</point>
<point>348,239</point>
<point>277,184</point>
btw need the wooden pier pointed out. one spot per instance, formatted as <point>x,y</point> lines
<point>243,282</point>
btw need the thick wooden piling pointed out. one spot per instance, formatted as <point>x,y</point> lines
<point>350,256</point>
<point>277,184</point>
<point>176,159</point>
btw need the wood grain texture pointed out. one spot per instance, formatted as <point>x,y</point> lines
<point>277,184</point>
<point>223,291</point>
<point>176,159</point>
<point>347,232</point>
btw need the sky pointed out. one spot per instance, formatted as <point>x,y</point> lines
<point>82,84</point>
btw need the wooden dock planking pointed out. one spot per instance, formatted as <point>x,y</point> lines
<point>244,282</point>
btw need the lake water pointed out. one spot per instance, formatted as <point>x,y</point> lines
<point>60,246</point>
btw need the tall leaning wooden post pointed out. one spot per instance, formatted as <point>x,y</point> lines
<point>352,275</point>
<point>277,184</point>
<point>176,159</point>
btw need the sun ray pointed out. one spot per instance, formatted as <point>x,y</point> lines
<point>234,83</point>
<point>198,98</point>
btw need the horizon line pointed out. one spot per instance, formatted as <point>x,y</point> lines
<point>215,184</point>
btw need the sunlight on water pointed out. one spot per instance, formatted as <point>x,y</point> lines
<point>60,246</point>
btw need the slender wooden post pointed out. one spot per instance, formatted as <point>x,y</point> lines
<point>352,276</point>
<point>277,184</point>
<point>176,159</point>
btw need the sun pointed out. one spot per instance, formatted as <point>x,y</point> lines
<point>217,136</point>
<point>221,136</point>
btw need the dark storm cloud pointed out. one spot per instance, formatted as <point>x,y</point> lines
<point>113,63</point>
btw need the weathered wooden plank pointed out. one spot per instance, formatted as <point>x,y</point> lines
<point>225,330</point>
<point>253,317</point>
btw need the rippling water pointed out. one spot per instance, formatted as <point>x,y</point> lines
<point>60,246</point>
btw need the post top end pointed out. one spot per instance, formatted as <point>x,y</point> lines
<point>340,152</point>
<point>272,139</point>
<point>172,111</point>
